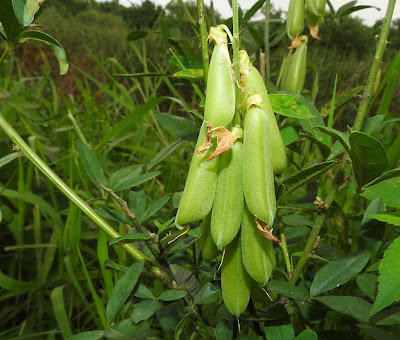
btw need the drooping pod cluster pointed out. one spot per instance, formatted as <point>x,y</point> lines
<point>230,185</point>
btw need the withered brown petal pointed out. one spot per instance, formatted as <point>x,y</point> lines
<point>207,143</point>
<point>224,141</point>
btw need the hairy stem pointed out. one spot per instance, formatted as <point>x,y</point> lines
<point>266,38</point>
<point>376,64</point>
<point>203,38</point>
<point>67,191</point>
<point>235,46</point>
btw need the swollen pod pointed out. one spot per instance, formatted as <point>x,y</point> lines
<point>220,96</point>
<point>257,252</point>
<point>228,203</point>
<point>258,176</point>
<point>235,281</point>
<point>198,195</point>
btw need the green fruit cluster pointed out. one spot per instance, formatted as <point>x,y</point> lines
<point>233,192</point>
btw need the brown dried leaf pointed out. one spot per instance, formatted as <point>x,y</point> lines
<point>295,43</point>
<point>224,141</point>
<point>266,231</point>
<point>207,143</point>
<point>314,32</point>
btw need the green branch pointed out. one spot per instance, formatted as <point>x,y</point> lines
<point>67,191</point>
<point>236,65</point>
<point>376,64</point>
<point>203,38</point>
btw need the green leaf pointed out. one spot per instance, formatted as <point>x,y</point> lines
<point>122,290</point>
<point>143,292</point>
<point>307,334</point>
<point>91,164</point>
<point>9,158</point>
<point>25,10</point>
<point>387,190</point>
<point>290,106</point>
<point>130,120</point>
<point>145,309</point>
<point>124,174</point>
<point>303,177</point>
<point>368,157</point>
<point>389,278</point>
<point>7,215</point>
<point>90,335</point>
<point>127,330</point>
<point>369,227</point>
<point>340,136</point>
<point>224,330</point>
<point>137,203</point>
<point>113,215</point>
<point>353,306</point>
<point>283,332</point>
<point>345,11</point>
<point>190,74</point>
<point>52,43</point>
<point>387,175</point>
<point>184,321</point>
<point>201,326</point>
<point>171,295</point>
<point>60,313</point>
<point>287,289</point>
<point>325,150</point>
<point>169,317</point>
<point>208,294</point>
<point>387,218</point>
<point>136,35</point>
<point>289,135</point>
<point>180,127</point>
<point>372,124</point>
<point>164,153</point>
<point>129,182</point>
<point>368,283</point>
<point>11,25</point>
<point>339,271</point>
<point>253,10</point>
<point>130,238</point>
<point>108,264</point>
<point>153,208</point>
<point>9,283</point>
<point>378,333</point>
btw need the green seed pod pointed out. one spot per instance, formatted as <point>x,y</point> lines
<point>296,74</point>
<point>315,15</point>
<point>258,176</point>
<point>235,281</point>
<point>198,196</point>
<point>257,252</point>
<point>256,83</point>
<point>228,203</point>
<point>220,98</point>
<point>295,20</point>
<point>207,244</point>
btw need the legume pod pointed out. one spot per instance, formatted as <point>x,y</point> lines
<point>220,97</point>
<point>258,176</point>
<point>235,281</point>
<point>256,83</point>
<point>295,21</point>
<point>228,203</point>
<point>257,252</point>
<point>315,15</point>
<point>207,245</point>
<point>198,195</point>
<point>296,73</point>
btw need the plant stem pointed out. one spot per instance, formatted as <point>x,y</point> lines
<point>266,38</point>
<point>376,64</point>
<point>203,38</point>
<point>67,191</point>
<point>284,248</point>
<point>236,65</point>
<point>361,114</point>
<point>4,55</point>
